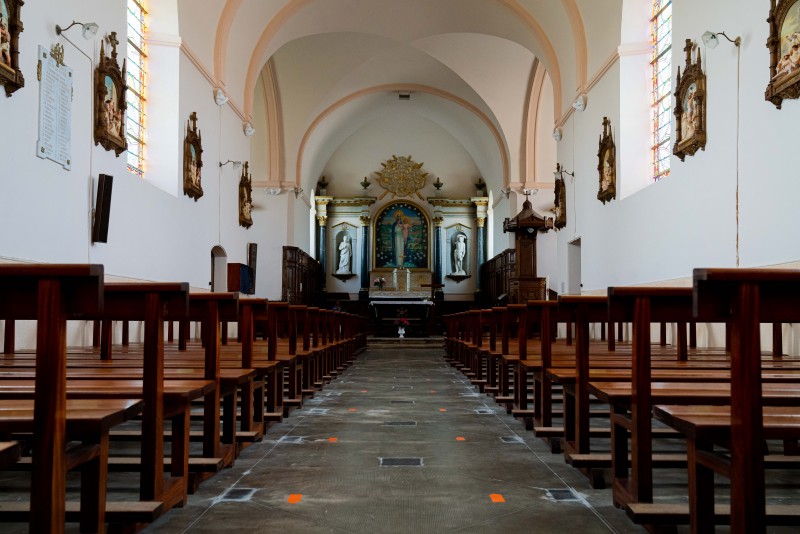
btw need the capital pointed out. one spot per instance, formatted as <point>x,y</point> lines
<point>438,221</point>
<point>322,220</point>
<point>364,220</point>
<point>480,221</point>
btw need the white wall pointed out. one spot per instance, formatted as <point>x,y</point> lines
<point>153,235</point>
<point>688,220</point>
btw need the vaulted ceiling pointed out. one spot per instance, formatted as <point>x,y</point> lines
<point>477,68</point>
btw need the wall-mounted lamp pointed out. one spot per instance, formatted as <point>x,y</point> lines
<point>248,129</point>
<point>561,171</point>
<point>236,164</point>
<point>711,39</point>
<point>580,103</point>
<point>220,97</point>
<point>89,29</point>
<point>557,134</point>
<point>297,191</point>
<point>273,191</point>
<point>365,183</point>
<point>505,191</point>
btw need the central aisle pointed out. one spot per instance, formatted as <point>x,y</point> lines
<point>320,470</point>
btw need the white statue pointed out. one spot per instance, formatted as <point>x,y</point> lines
<point>459,251</point>
<point>345,251</point>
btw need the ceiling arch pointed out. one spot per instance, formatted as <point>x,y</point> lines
<point>502,149</point>
<point>280,17</point>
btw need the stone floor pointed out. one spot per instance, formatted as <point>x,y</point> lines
<point>320,470</point>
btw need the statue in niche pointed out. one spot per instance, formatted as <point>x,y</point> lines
<point>345,253</point>
<point>459,254</point>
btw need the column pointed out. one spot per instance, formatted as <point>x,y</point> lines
<point>481,208</point>
<point>363,292</point>
<point>437,255</point>
<point>322,239</point>
<point>481,256</point>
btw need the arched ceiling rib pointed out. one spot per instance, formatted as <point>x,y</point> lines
<point>487,122</point>
<point>431,17</point>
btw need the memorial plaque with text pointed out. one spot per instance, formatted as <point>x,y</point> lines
<point>55,109</point>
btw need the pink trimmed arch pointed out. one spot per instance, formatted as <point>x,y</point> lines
<point>501,145</point>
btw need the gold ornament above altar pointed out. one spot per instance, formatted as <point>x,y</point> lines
<point>402,176</point>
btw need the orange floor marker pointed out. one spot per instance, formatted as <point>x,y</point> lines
<point>363,391</point>
<point>442,409</point>
<point>496,497</point>
<point>351,409</point>
<point>333,440</point>
<point>433,391</point>
<point>295,498</point>
<point>460,438</point>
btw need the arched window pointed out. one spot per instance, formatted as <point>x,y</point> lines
<point>661,98</point>
<point>135,76</point>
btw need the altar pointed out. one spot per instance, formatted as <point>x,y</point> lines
<point>388,313</point>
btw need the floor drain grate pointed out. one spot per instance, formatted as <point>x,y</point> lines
<point>400,423</point>
<point>484,411</point>
<point>401,462</point>
<point>291,439</point>
<point>238,495</point>
<point>562,495</point>
<point>403,402</point>
<point>511,439</point>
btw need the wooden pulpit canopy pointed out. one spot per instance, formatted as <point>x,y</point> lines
<point>525,219</point>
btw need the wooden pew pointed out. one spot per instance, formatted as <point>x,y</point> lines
<point>51,294</point>
<point>744,298</point>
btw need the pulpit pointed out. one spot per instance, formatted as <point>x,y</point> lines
<point>524,285</point>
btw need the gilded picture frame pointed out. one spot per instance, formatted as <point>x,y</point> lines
<point>401,237</point>
<point>784,51</point>
<point>560,209</point>
<point>246,197</point>
<point>607,164</point>
<point>192,160</point>
<point>10,27</point>
<point>690,106</point>
<point>110,102</point>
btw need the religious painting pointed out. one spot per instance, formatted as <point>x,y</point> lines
<point>401,237</point>
<point>10,28</point>
<point>560,209</point>
<point>784,47</point>
<point>401,176</point>
<point>192,159</point>
<point>110,102</point>
<point>246,197</point>
<point>690,106</point>
<point>607,164</point>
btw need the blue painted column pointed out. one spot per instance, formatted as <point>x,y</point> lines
<point>322,239</point>
<point>363,292</point>
<point>481,250</point>
<point>437,255</point>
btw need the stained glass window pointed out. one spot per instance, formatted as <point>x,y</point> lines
<point>661,99</point>
<point>135,76</point>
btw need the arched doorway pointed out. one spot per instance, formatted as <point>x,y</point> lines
<point>219,269</point>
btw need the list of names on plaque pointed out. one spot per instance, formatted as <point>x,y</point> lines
<point>55,110</point>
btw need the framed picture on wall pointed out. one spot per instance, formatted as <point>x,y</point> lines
<point>401,237</point>
<point>690,106</point>
<point>560,201</point>
<point>784,51</point>
<point>10,28</point>
<point>607,164</point>
<point>110,102</point>
<point>192,160</point>
<point>246,197</point>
